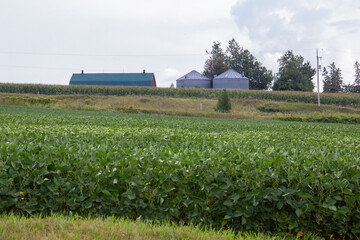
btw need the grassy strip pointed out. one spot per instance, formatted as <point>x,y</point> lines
<point>73,227</point>
<point>290,96</point>
<point>253,109</point>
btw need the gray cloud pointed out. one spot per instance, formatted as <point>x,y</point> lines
<point>280,25</point>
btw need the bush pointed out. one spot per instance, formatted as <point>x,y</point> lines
<point>224,104</point>
<point>324,118</point>
<point>269,108</point>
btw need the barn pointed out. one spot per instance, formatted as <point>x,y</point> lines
<point>114,79</point>
<point>231,79</point>
<point>194,80</point>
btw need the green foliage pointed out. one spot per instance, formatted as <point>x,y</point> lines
<point>215,65</point>
<point>269,108</point>
<point>324,118</point>
<point>240,60</point>
<point>290,96</point>
<point>20,100</point>
<point>242,175</point>
<point>224,104</point>
<point>333,81</point>
<point>294,74</point>
<point>357,74</point>
<point>244,62</point>
<point>355,87</point>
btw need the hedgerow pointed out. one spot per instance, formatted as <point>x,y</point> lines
<point>324,118</point>
<point>26,100</point>
<point>343,99</point>
<point>242,175</point>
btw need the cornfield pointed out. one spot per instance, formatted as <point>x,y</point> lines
<point>342,99</point>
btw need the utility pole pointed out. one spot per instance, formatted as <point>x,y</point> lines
<point>317,73</point>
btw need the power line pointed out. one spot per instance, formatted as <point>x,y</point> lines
<point>38,67</point>
<point>97,55</point>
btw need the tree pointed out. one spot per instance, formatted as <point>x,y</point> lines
<point>357,73</point>
<point>241,60</point>
<point>294,74</point>
<point>215,65</point>
<point>224,104</point>
<point>356,88</point>
<point>172,85</point>
<point>333,81</point>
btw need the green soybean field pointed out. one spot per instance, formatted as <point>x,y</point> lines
<point>261,176</point>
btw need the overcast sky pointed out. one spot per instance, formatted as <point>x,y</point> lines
<point>46,41</point>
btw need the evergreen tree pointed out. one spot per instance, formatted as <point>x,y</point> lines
<point>333,81</point>
<point>241,60</point>
<point>294,74</point>
<point>224,104</point>
<point>357,73</point>
<point>356,88</point>
<point>215,65</point>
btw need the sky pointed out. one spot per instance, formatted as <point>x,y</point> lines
<point>46,41</point>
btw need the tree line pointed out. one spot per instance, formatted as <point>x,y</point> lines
<point>295,74</point>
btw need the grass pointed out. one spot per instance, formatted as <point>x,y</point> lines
<point>74,227</point>
<point>241,108</point>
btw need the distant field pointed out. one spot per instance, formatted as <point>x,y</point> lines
<point>341,99</point>
<point>263,176</point>
<point>253,109</point>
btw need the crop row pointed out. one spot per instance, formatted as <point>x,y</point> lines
<point>334,99</point>
<point>324,118</point>
<point>260,176</point>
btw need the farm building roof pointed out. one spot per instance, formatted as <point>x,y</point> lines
<point>114,79</point>
<point>193,75</point>
<point>231,73</point>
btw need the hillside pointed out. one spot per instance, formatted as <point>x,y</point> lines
<point>256,109</point>
<point>338,99</point>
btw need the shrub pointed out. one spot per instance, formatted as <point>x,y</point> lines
<point>324,118</point>
<point>269,108</point>
<point>224,104</point>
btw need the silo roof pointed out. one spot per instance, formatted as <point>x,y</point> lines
<point>193,75</point>
<point>231,73</point>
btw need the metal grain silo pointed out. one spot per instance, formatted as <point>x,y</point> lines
<point>193,80</point>
<point>231,79</point>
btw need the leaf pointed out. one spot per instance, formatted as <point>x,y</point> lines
<point>228,203</point>
<point>238,213</point>
<point>106,192</point>
<point>330,204</point>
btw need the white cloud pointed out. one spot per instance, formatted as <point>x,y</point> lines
<point>171,72</point>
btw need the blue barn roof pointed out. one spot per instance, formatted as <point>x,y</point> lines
<point>114,79</point>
